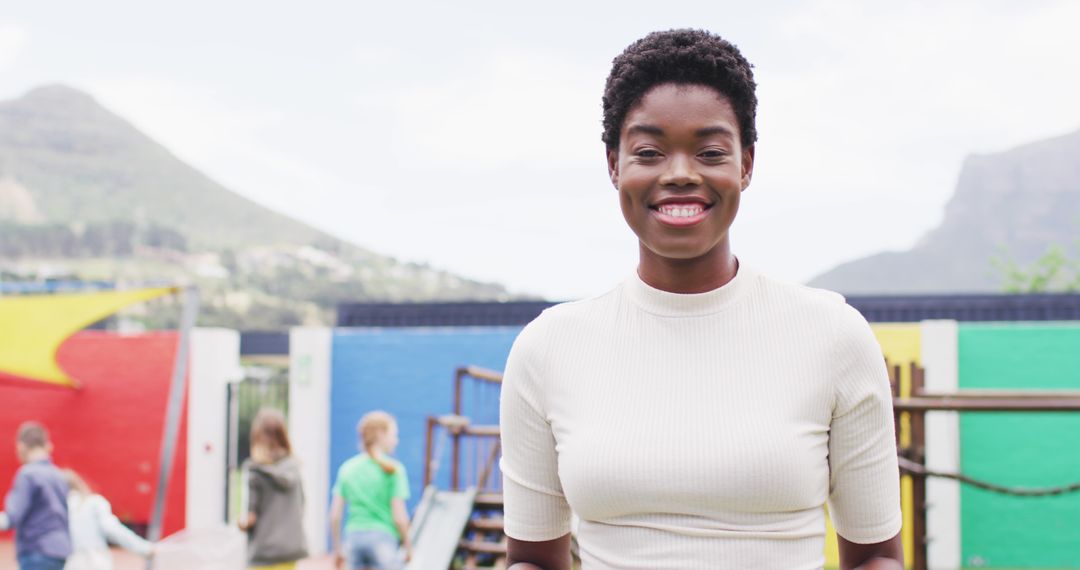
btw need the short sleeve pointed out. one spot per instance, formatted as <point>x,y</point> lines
<point>535,507</point>
<point>401,483</point>
<point>864,487</point>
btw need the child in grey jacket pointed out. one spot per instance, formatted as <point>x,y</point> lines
<point>274,517</point>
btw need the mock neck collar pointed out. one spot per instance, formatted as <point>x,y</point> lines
<point>667,304</point>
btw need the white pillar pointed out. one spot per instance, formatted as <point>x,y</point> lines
<point>940,357</point>
<point>309,424</point>
<point>215,361</point>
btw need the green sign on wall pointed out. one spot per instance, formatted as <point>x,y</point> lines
<point>1020,449</point>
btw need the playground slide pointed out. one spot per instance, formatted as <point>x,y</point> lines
<point>438,526</point>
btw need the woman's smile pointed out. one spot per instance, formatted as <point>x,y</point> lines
<point>681,214</point>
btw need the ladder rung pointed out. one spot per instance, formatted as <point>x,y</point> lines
<point>484,547</point>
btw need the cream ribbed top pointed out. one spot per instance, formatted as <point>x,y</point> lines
<point>700,431</point>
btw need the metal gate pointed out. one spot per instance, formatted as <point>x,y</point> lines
<point>262,387</point>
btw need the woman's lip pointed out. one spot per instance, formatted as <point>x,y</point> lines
<point>682,201</point>
<point>680,221</point>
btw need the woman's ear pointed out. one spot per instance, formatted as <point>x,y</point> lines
<point>747,165</point>
<point>613,167</point>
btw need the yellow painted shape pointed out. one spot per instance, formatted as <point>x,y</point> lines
<point>32,327</point>
<point>832,547</point>
<point>901,343</point>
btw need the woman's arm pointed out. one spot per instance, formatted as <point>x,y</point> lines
<point>888,555</point>
<point>536,512</point>
<point>401,521</point>
<point>545,555</point>
<point>864,486</point>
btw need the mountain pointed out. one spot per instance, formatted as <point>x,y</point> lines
<point>1016,204</point>
<point>78,161</point>
<point>86,195</point>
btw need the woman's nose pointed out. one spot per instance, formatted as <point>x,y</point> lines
<point>680,171</point>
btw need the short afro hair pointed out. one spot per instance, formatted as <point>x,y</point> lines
<point>687,57</point>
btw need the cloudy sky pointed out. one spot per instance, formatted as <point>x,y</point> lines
<point>466,134</point>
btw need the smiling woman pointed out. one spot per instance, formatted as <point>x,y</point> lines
<point>701,414</point>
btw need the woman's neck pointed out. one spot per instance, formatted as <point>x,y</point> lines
<point>698,275</point>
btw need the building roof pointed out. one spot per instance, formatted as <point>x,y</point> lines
<point>880,309</point>
<point>463,314</point>
<point>993,307</point>
<point>264,343</point>
<point>892,308</point>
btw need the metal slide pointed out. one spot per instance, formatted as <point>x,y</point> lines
<point>437,527</point>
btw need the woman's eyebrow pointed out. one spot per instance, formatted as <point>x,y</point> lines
<point>645,129</point>
<point>642,128</point>
<point>714,130</point>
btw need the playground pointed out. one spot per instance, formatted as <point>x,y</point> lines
<point>124,560</point>
<point>157,421</point>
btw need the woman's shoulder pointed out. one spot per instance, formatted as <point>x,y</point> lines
<point>789,295</point>
<point>821,308</point>
<point>556,325</point>
<point>584,307</point>
<point>571,314</point>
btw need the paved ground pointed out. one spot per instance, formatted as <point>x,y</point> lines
<point>125,561</point>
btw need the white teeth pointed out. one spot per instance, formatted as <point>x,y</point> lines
<point>681,212</point>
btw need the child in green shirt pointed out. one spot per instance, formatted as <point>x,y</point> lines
<point>374,486</point>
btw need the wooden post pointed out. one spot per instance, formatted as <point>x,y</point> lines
<point>918,454</point>
<point>455,482</point>
<point>429,440</point>
<point>894,384</point>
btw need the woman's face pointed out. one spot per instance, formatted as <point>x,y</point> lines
<point>679,171</point>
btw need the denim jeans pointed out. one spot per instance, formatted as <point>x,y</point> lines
<point>372,549</point>
<point>38,561</point>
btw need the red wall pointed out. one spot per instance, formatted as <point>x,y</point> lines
<point>110,429</point>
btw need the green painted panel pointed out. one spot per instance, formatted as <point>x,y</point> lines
<point>1020,449</point>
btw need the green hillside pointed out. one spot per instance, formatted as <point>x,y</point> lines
<point>85,195</point>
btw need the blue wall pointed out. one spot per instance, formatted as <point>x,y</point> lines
<point>409,372</point>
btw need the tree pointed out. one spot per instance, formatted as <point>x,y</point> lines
<point>1053,271</point>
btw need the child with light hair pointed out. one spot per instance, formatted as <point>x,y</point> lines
<point>94,526</point>
<point>374,486</point>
